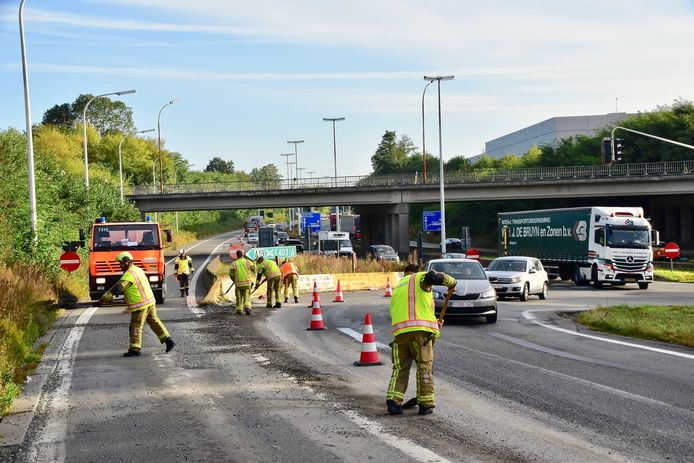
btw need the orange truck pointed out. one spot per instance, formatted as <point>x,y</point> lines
<point>141,239</point>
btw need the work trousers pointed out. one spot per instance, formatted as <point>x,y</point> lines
<point>417,346</point>
<point>243,297</point>
<point>273,289</point>
<point>183,283</point>
<point>137,322</point>
<point>291,279</point>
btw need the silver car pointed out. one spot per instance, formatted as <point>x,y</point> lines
<point>474,295</point>
<point>518,276</point>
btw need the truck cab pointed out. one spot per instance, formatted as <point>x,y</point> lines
<point>335,244</point>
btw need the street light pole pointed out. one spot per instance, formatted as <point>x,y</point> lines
<point>120,158</point>
<point>287,162</point>
<point>84,132</point>
<point>424,150</point>
<point>161,159</point>
<point>337,208</point>
<point>438,79</point>
<point>30,142</point>
<point>154,177</point>
<point>296,154</point>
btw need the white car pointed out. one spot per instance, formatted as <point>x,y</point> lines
<point>518,276</point>
<point>252,238</point>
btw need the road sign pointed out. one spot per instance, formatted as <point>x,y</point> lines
<point>671,250</point>
<point>431,221</point>
<point>311,220</point>
<point>281,252</point>
<point>473,254</point>
<point>70,261</point>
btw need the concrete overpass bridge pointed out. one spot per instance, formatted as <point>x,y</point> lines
<point>664,189</point>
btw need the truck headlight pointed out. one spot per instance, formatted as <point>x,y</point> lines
<point>438,295</point>
<point>100,281</point>
<point>488,294</point>
<point>154,278</point>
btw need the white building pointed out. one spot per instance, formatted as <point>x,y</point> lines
<point>520,141</point>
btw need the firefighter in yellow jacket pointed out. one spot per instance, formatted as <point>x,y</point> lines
<point>242,272</point>
<point>415,328</point>
<point>183,266</point>
<point>269,269</point>
<point>141,304</point>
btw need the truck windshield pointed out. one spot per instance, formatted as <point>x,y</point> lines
<point>627,237</point>
<point>112,237</point>
<point>345,244</point>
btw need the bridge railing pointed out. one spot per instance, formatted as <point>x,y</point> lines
<point>534,174</point>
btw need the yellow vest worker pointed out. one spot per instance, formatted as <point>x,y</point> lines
<point>269,269</point>
<point>183,266</point>
<point>242,273</point>
<point>415,328</point>
<point>141,304</point>
<point>290,277</point>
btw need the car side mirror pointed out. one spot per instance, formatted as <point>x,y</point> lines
<point>532,270</point>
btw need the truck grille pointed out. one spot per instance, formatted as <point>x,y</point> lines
<point>104,266</point>
<point>502,281</point>
<point>629,264</point>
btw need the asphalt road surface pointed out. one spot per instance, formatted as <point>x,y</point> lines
<point>532,387</point>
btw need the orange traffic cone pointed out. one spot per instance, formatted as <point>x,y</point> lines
<point>389,290</point>
<point>369,353</point>
<point>315,296</point>
<point>316,318</point>
<point>338,294</point>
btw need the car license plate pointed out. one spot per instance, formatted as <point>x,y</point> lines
<point>462,303</point>
<point>497,286</point>
<point>630,280</point>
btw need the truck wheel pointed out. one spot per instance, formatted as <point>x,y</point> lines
<point>525,293</point>
<point>594,278</point>
<point>95,296</point>
<point>578,277</point>
<point>643,285</point>
<point>564,273</point>
<point>159,296</point>
<point>545,290</point>
<point>491,318</point>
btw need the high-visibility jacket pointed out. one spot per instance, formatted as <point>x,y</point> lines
<point>183,266</point>
<point>412,308</point>
<point>138,294</point>
<point>269,268</point>
<point>288,268</point>
<point>241,271</point>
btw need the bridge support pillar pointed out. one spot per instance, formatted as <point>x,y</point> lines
<point>386,224</point>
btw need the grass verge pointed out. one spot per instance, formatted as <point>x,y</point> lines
<point>673,324</point>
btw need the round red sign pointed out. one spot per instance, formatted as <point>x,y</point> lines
<point>70,261</point>
<point>473,254</point>
<point>671,250</point>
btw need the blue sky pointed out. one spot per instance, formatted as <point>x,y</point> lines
<point>252,75</point>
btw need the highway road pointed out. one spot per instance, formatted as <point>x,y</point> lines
<point>532,387</point>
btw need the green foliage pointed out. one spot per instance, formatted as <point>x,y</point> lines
<point>392,155</point>
<point>218,164</point>
<point>108,116</point>
<point>268,176</point>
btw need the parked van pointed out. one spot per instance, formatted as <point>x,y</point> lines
<point>335,244</point>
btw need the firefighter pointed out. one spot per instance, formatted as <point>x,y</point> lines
<point>290,276</point>
<point>269,269</point>
<point>183,266</point>
<point>141,304</point>
<point>415,328</point>
<point>242,271</point>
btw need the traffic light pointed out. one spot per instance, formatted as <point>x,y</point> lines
<point>618,148</point>
<point>606,150</point>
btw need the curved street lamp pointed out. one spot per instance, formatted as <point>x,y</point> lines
<point>27,112</point>
<point>161,159</point>
<point>337,208</point>
<point>120,158</point>
<point>424,150</point>
<point>84,132</point>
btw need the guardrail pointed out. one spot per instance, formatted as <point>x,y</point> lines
<point>536,174</point>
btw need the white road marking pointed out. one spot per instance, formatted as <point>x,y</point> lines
<point>358,336</point>
<point>50,439</point>
<point>528,315</point>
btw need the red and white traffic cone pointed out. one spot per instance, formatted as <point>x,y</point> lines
<point>338,294</point>
<point>314,296</point>
<point>369,352</point>
<point>389,290</point>
<point>316,318</point>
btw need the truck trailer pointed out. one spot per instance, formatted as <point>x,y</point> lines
<point>602,245</point>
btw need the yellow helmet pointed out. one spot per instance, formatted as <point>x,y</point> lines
<point>124,255</point>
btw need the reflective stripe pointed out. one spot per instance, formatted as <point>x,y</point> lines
<point>413,323</point>
<point>411,298</point>
<point>412,308</point>
<point>145,299</point>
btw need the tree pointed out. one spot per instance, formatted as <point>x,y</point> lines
<point>218,164</point>
<point>391,156</point>
<point>106,115</point>
<point>268,176</point>
<point>60,116</point>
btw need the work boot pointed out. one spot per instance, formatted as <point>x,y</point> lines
<point>277,305</point>
<point>187,293</point>
<point>296,300</point>
<point>182,293</point>
<point>393,408</point>
<point>247,310</point>
<point>132,353</point>
<point>268,306</point>
<point>285,300</point>
<point>424,410</point>
<point>169,345</point>
<point>239,312</point>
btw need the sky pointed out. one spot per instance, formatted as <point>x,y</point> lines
<point>250,76</point>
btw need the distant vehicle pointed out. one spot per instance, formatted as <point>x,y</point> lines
<point>349,223</point>
<point>474,295</point>
<point>335,244</point>
<point>282,237</point>
<point>295,242</point>
<point>453,244</point>
<point>256,218</point>
<point>266,237</point>
<point>518,277</point>
<point>252,238</point>
<point>383,252</point>
<point>453,255</point>
<point>270,224</point>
